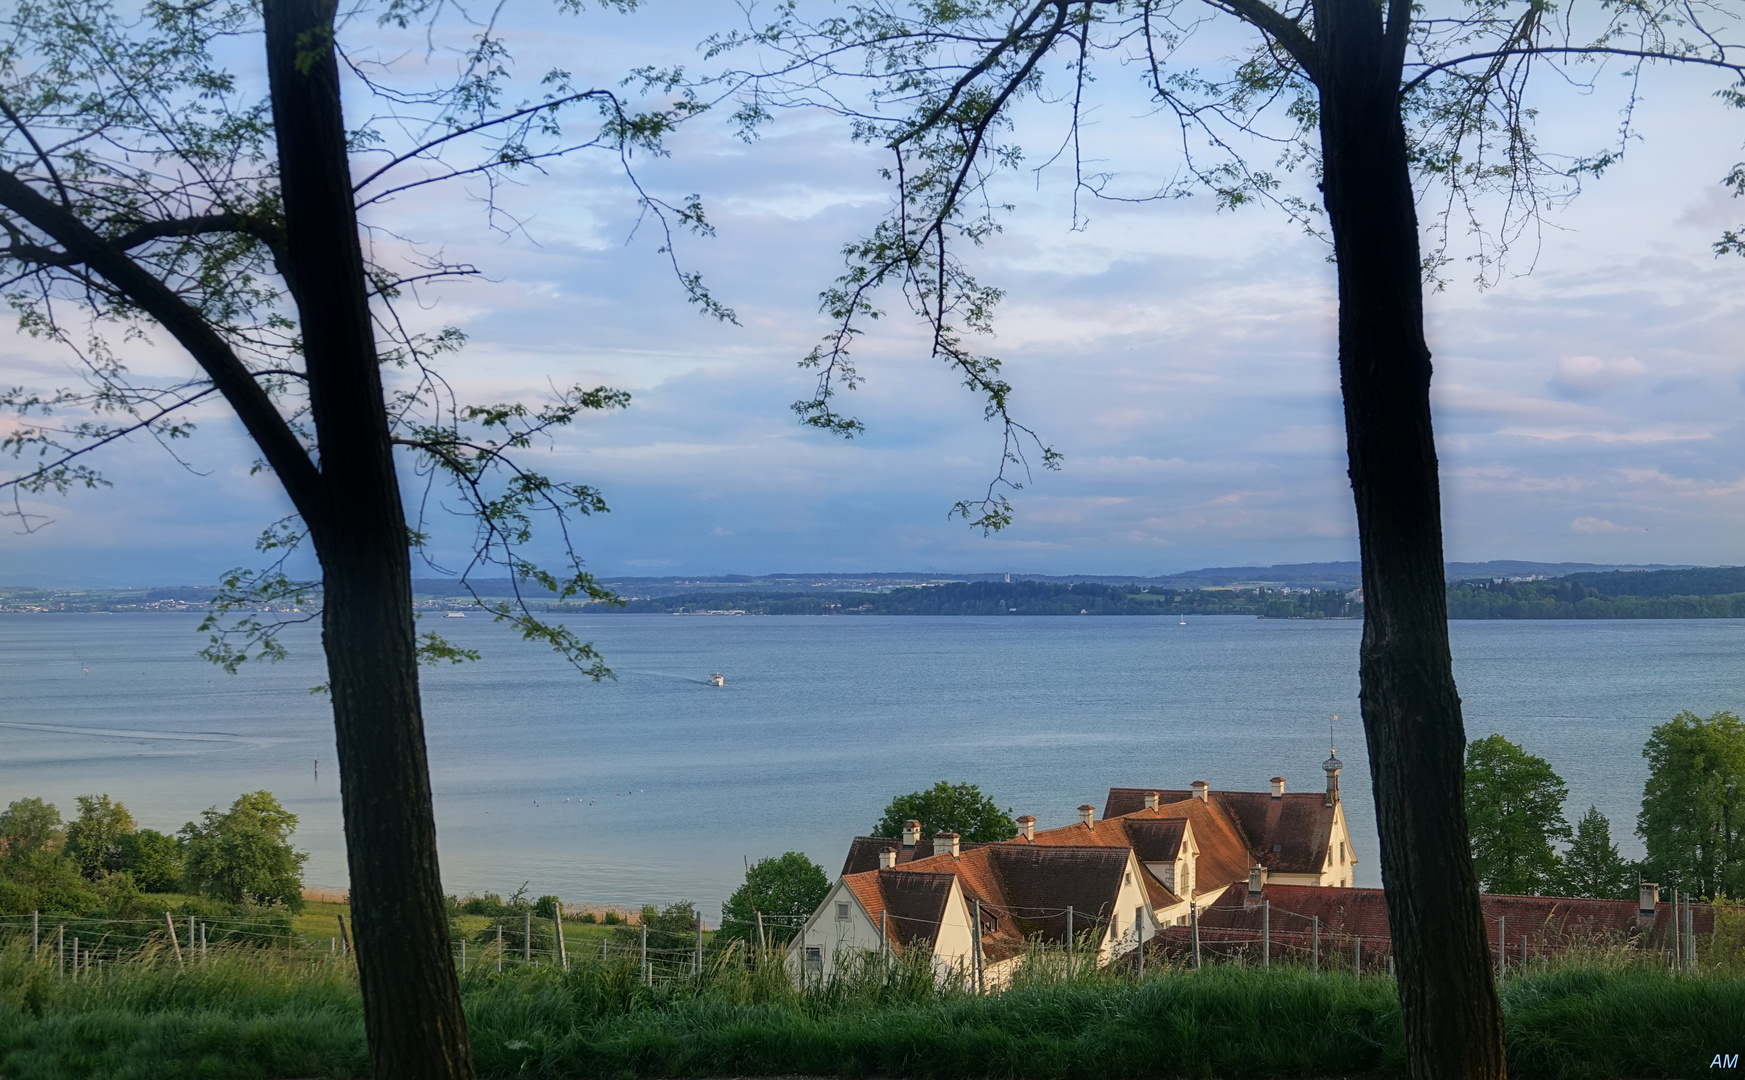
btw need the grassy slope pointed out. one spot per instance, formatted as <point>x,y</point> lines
<point>251,1016</point>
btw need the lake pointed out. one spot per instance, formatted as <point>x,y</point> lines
<point>658,787</point>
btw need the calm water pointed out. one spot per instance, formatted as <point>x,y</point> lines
<point>658,786</point>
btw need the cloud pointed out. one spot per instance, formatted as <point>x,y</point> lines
<point>1594,525</point>
<point>1583,377</point>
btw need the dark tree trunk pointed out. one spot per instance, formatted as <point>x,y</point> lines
<point>412,1010</point>
<point>1411,710</point>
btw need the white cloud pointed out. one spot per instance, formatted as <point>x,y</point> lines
<point>1590,376</point>
<point>1594,525</point>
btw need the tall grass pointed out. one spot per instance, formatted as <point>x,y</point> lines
<point>255,1014</point>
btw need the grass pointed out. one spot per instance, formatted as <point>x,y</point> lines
<point>256,1014</point>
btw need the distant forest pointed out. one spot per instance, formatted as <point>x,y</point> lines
<point>1014,598</point>
<point>1711,592</point>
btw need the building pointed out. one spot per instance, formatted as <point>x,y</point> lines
<point>1154,859</point>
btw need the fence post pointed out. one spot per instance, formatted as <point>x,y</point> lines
<point>202,942</point>
<point>1523,952</point>
<point>1194,924</point>
<point>975,937</point>
<point>34,944</point>
<point>499,948</point>
<point>1357,957</point>
<point>527,938</point>
<point>699,966</point>
<point>1677,945</point>
<point>1266,934</point>
<point>1069,938</point>
<point>646,974</point>
<point>75,956</point>
<point>884,932</point>
<point>174,944</point>
<point>1690,936</point>
<point>463,956</point>
<point>1502,948</point>
<point>61,950</point>
<point>1314,944</point>
<point>563,952</point>
<point>344,941</point>
<point>1139,937</point>
<point>191,939</point>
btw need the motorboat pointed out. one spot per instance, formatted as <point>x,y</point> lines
<point>717,679</point>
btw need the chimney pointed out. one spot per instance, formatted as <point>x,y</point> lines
<point>1256,880</point>
<point>945,843</point>
<point>1332,766</point>
<point>1200,788</point>
<point>1151,800</point>
<point>1087,814</point>
<point>1027,828</point>
<point>887,858</point>
<point>1278,787</point>
<point>911,833</point>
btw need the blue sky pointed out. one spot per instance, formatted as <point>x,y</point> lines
<point>1180,357</point>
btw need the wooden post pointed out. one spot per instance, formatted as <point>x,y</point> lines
<point>1502,948</point>
<point>1139,936</point>
<point>1357,956</point>
<point>174,944</point>
<point>75,956</point>
<point>191,939</point>
<point>527,938</point>
<point>1266,934</point>
<point>975,937</point>
<point>344,939</point>
<point>698,969</point>
<point>563,954</point>
<point>463,956</point>
<point>762,944</point>
<point>499,948</point>
<point>1690,936</point>
<point>1069,937</point>
<point>34,944</point>
<point>61,950</point>
<point>645,972</point>
<point>1677,945</point>
<point>1315,944</point>
<point>884,934</point>
<point>202,942</point>
<point>1523,952</point>
<point>1194,925</point>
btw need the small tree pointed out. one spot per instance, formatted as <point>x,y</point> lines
<point>94,841</point>
<point>958,808</point>
<point>782,888</point>
<point>29,826</point>
<point>244,855</point>
<point>1592,866</point>
<point>1693,804</point>
<point>1514,810</point>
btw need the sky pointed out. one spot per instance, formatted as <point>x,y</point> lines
<point>1182,359</point>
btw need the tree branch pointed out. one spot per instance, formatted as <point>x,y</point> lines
<point>1591,50</point>
<point>232,378</point>
<point>1276,25</point>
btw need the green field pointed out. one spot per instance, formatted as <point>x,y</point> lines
<point>271,1013</point>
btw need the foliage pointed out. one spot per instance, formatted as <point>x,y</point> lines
<point>670,927</point>
<point>94,840</point>
<point>244,855</point>
<point>29,826</point>
<point>41,881</point>
<point>155,859</point>
<point>945,807</point>
<point>1514,811</point>
<point>275,1014</point>
<point>1693,804</point>
<point>1019,598</point>
<point>1592,866</point>
<point>545,907</point>
<point>1726,945</point>
<point>788,886</point>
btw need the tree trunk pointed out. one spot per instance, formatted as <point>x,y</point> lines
<point>1411,710</point>
<point>412,1009</point>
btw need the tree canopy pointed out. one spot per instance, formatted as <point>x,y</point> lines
<point>244,854</point>
<point>95,839</point>
<point>947,807</point>
<point>1693,804</point>
<point>1591,864</point>
<point>29,826</point>
<point>782,888</point>
<point>1514,809</point>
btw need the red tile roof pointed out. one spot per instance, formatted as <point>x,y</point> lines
<point>863,852</point>
<point>911,904</point>
<point>1298,824</point>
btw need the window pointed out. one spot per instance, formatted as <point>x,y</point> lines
<point>814,960</point>
<point>1341,853</point>
<point>842,911</point>
<point>1129,877</point>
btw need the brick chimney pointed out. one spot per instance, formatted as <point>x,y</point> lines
<point>911,833</point>
<point>1027,827</point>
<point>1200,789</point>
<point>1151,800</point>
<point>1087,814</point>
<point>945,843</point>
<point>887,858</point>
<point>1278,787</point>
